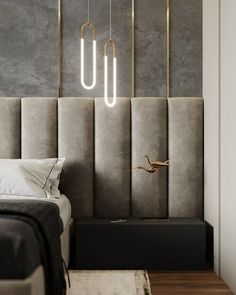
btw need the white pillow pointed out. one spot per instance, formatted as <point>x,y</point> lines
<point>30,177</point>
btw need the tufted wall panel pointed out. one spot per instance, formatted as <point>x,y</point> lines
<point>10,127</point>
<point>112,158</point>
<point>186,155</point>
<point>39,127</point>
<point>96,142</point>
<point>75,143</point>
<point>149,137</point>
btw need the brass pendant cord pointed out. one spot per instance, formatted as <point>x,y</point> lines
<point>88,11</point>
<point>110,19</point>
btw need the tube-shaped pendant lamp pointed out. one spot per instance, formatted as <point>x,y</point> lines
<point>88,25</point>
<point>107,44</point>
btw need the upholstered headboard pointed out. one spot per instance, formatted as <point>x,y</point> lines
<point>103,146</point>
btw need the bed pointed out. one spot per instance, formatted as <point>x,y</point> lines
<point>28,277</point>
<point>35,223</point>
<point>20,271</point>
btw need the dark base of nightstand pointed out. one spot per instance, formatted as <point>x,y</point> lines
<point>171,244</point>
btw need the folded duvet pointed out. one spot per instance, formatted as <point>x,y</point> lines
<point>29,236</point>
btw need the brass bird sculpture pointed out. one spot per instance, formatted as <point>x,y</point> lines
<point>154,166</point>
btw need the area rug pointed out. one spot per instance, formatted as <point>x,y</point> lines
<point>109,282</point>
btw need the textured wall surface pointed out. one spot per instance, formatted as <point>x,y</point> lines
<point>28,46</point>
<point>149,137</point>
<point>186,48</point>
<point>150,48</point>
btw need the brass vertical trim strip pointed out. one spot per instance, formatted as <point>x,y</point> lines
<point>133,50</point>
<point>168,79</point>
<point>167,48</point>
<point>59,48</point>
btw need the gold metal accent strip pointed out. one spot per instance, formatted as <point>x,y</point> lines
<point>167,48</point>
<point>133,49</point>
<point>90,26</point>
<point>59,48</point>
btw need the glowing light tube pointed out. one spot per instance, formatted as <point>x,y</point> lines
<point>82,58</point>
<point>113,101</point>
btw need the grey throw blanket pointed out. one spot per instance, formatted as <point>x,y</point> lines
<point>45,220</point>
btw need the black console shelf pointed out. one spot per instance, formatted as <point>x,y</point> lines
<point>171,244</point>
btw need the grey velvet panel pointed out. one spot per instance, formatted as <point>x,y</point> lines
<point>186,157</point>
<point>112,158</point>
<point>186,48</point>
<point>39,127</point>
<point>10,127</point>
<point>74,16</point>
<point>149,137</point>
<point>150,47</point>
<point>75,143</point>
<point>28,45</point>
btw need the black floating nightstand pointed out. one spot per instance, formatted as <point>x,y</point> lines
<point>177,243</point>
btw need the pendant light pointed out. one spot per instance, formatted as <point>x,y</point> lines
<point>90,26</point>
<point>109,43</point>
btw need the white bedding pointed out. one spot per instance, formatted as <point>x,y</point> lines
<point>62,202</point>
<point>30,177</point>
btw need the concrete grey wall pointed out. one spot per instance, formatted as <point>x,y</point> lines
<point>186,48</point>
<point>150,48</point>
<point>28,62</point>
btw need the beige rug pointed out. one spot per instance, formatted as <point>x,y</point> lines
<point>109,282</point>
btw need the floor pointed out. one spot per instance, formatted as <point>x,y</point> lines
<point>180,283</point>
